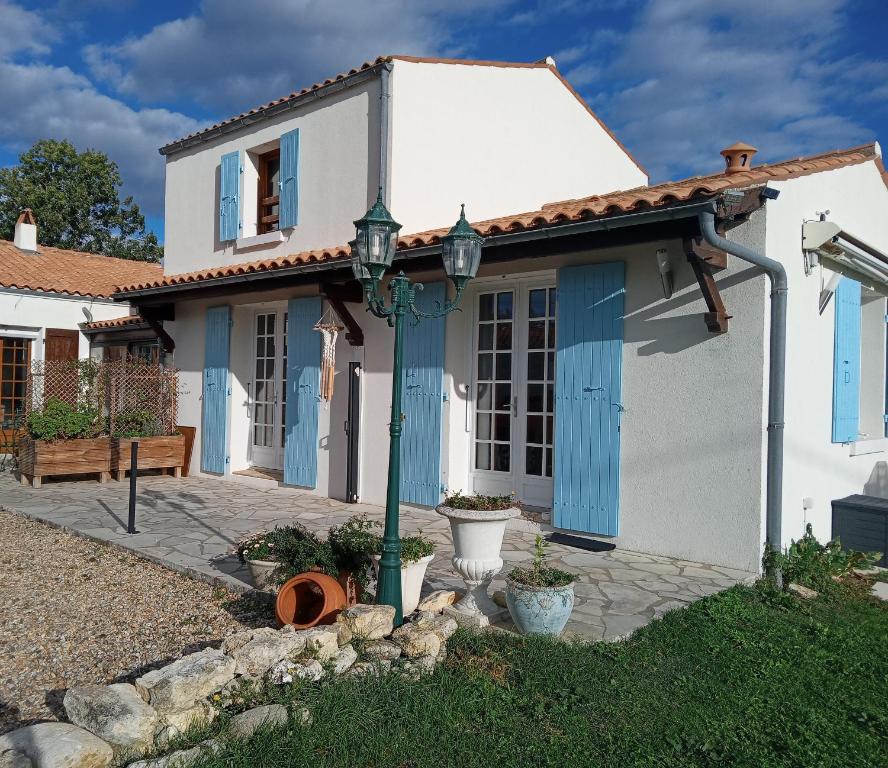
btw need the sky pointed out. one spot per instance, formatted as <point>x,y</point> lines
<point>676,80</point>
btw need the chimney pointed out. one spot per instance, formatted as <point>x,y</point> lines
<point>26,231</point>
<point>738,157</point>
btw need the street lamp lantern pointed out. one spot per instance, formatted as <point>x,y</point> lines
<point>376,238</point>
<point>461,251</point>
<point>373,250</point>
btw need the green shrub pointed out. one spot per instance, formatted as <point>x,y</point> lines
<point>812,564</point>
<point>540,574</point>
<point>479,501</point>
<point>136,423</point>
<point>299,550</point>
<point>61,421</point>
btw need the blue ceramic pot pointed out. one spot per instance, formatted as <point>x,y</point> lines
<point>539,610</point>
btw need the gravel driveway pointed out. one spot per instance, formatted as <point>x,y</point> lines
<point>74,612</point>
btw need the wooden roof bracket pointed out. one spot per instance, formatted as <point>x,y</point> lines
<point>706,261</point>
<point>155,316</point>
<point>338,294</point>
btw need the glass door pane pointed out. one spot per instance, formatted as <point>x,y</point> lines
<point>264,398</point>
<point>539,403</point>
<point>493,382</point>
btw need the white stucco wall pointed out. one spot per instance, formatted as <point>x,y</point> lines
<point>30,314</point>
<point>499,139</point>
<point>338,175</point>
<point>815,468</point>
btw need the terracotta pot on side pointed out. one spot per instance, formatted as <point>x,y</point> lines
<point>309,599</point>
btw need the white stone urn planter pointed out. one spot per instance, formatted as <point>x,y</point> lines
<point>412,575</point>
<point>477,540</point>
<point>262,572</point>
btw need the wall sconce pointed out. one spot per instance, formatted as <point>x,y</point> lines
<point>665,267</point>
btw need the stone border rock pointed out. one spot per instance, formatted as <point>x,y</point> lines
<point>113,723</point>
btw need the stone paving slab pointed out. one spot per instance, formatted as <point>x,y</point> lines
<point>192,524</point>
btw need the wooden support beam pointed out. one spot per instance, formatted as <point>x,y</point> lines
<point>350,292</point>
<point>166,340</point>
<point>354,334</point>
<point>158,312</point>
<point>716,318</point>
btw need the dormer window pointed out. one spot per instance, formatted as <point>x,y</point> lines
<point>269,192</point>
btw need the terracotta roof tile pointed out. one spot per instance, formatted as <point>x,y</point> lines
<point>565,211</point>
<point>117,322</point>
<point>72,272</point>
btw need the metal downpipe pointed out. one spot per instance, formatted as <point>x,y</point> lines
<point>776,373</point>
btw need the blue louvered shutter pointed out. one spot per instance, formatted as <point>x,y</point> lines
<point>229,197</point>
<point>423,401</point>
<point>214,437</point>
<point>846,363</point>
<point>303,392</point>
<point>289,204</point>
<point>588,386</point>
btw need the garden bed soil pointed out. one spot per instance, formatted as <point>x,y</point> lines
<point>41,458</point>
<point>158,452</point>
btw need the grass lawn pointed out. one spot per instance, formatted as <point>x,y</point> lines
<point>737,679</point>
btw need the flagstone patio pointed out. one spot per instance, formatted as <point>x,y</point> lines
<point>192,525</point>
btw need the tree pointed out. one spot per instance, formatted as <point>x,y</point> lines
<point>76,201</point>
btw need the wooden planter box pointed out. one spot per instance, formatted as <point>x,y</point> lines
<point>38,458</point>
<point>162,452</point>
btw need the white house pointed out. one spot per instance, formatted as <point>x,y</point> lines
<point>610,364</point>
<point>48,299</point>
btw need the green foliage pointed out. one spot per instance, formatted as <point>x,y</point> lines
<point>540,574</point>
<point>353,543</point>
<point>259,546</point>
<point>812,564</point>
<point>136,422</point>
<point>731,681</point>
<point>299,550</point>
<point>415,548</point>
<point>61,421</point>
<point>479,501</point>
<point>75,197</point>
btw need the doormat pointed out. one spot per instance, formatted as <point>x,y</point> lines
<point>590,545</point>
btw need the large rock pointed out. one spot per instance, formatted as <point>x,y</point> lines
<point>368,622</point>
<point>343,659</point>
<point>415,641</point>
<point>381,650</point>
<point>240,639</point>
<point>287,671</point>
<point>58,745</point>
<point>369,668</point>
<point>800,590</point>
<point>438,600</point>
<point>255,657</point>
<point>181,758</point>
<point>183,683</point>
<point>12,759</point>
<point>320,642</point>
<point>247,723</point>
<point>418,667</point>
<point>442,626</point>
<point>115,713</point>
<point>200,714</point>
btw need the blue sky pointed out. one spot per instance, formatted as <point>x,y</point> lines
<point>677,80</point>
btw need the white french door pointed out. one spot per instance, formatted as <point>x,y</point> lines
<point>513,390</point>
<point>268,390</point>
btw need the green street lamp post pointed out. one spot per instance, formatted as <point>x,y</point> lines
<point>373,250</point>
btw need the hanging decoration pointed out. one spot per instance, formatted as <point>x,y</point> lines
<point>329,326</point>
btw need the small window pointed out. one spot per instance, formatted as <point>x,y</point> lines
<point>15,356</point>
<point>269,192</point>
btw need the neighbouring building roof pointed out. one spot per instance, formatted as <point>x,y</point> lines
<point>117,322</point>
<point>57,270</point>
<point>562,212</point>
<point>257,113</point>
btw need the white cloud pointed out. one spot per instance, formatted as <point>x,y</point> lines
<point>228,60</point>
<point>692,76</point>
<point>24,31</point>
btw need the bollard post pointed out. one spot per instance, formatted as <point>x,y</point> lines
<point>134,471</point>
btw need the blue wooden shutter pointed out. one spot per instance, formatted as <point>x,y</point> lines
<point>846,363</point>
<point>422,403</point>
<point>289,205</point>
<point>229,197</point>
<point>303,392</point>
<point>588,385</point>
<point>214,440</point>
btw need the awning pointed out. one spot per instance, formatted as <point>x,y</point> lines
<point>827,243</point>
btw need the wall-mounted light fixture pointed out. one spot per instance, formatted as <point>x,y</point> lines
<point>665,267</point>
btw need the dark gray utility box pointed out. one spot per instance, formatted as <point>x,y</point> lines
<point>861,523</point>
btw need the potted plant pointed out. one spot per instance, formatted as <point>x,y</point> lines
<point>64,439</point>
<point>540,598</point>
<point>416,554</point>
<point>157,450</point>
<point>477,524</point>
<point>257,552</point>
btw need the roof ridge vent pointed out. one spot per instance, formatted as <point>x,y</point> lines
<point>738,157</point>
<point>26,231</point>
